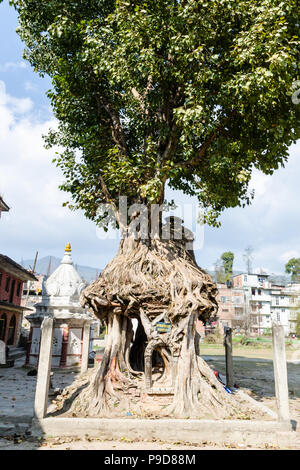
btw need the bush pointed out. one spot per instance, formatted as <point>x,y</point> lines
<point>213,338</point>
<point>245,341</point>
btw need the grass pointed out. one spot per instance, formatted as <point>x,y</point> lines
<point>253,350</point>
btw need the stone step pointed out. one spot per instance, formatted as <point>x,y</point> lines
<point>12,429</point>
<point>15,352</point>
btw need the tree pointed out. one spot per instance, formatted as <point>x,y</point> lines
<point>227,257</point>
<point>193,93</point>
<point>293,267</point>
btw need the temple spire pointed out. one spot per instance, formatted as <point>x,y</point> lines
<point>68,248</point>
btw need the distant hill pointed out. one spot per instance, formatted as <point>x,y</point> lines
<point>42,266</point>
<point>90,274</point>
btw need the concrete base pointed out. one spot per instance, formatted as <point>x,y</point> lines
<point>170,430</point>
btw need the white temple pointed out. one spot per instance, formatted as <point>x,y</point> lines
<point>60,300</point>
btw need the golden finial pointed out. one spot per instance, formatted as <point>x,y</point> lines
<point>68,247</point>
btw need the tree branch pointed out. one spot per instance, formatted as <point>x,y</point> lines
<point>141,98</point>
<point>109,199</point>
<point>116,126</point>
<point>206,144</point>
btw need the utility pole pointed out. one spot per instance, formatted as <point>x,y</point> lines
<point>32,271</point>
<point>49,267</point>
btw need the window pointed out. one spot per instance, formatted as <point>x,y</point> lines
<point>277,301</point>
<point>2,326</point>
<point>0,278</point>
<point>259,291</point>
<point>278,316</point>
<point>283,310</point>
<point>238,312</point>
<point>11,330</point>
<point>7,284</point>
<point>12,291</point>
<point>18,289</point>
<point>224,299</point>
<point>245,278</point>
<point>253,290</point>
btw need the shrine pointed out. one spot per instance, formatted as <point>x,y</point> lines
<point>60,301</point>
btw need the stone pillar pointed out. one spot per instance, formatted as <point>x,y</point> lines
<point>44,368</point>
<point>280,373</point>
<point>85,348</point>
<point>228,356</point>
<point>28,350</point>
<point>2,352</point>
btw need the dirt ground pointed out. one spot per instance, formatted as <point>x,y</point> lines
<point>253,374</point>
<point>98,444</point>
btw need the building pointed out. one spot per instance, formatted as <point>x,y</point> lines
<point>286,306</point>
<point>3,206</point>
<point>231,303</point>
<point>12,277</point>
<point>253,303</point>
<point>258,300</point>
<point>60,300</point>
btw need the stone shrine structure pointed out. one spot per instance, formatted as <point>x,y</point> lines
<point>60,301</point>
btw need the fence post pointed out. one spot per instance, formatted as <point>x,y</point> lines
<point>280,373</point>
<point>85,348</point>
<point>44,368</point>
<point>228,357</point>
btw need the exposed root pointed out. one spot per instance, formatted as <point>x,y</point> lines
<point>150,282</point>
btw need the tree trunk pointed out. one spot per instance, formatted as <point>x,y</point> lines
<point>153,281</point>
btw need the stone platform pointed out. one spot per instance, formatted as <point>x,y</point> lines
<point>256,433</point>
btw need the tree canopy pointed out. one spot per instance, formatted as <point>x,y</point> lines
<point>195,93</point>
<point>293,267</point>
<point>227,258</point>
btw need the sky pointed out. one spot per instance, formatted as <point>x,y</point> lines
<point>38,222</point>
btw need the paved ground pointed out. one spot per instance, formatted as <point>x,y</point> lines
<point>17,391</point>
<point>255,375</point>
<point>97,444</point>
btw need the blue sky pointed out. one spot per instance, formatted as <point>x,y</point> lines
<point>37,220</point>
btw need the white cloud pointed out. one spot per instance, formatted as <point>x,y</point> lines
<point>37,221</point>
<point>8,66</point>
<point>29,183</point>
<point>287,255</point>
<point>10,105</point>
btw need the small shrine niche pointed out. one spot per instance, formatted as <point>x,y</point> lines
<point>156,358</point>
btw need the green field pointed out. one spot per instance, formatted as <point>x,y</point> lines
<point>260,350</point>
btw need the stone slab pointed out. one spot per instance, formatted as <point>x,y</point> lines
<point>169,430</point>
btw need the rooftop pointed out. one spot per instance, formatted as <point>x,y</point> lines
<point>15,269</point>
<point>3,206</point>
<point>252,274</point>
